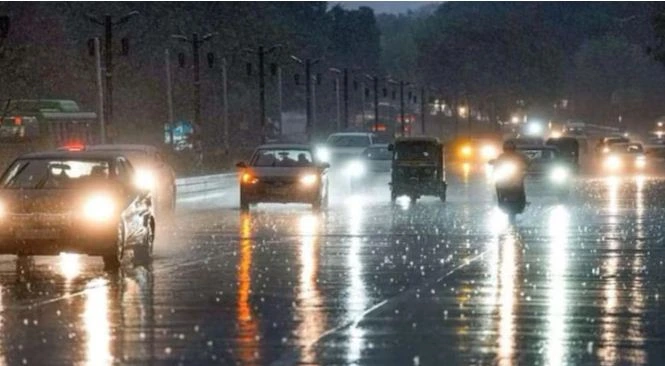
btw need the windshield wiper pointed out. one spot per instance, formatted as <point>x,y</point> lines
<point>13,178</point>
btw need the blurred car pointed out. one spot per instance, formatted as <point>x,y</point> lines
<point>283,173</point>
<point>625,158</point>
<point>81,202</point>
<point>152,171</point>
<point>547,167</point>
<point>371,166</point>
<point>474,150</point>
<point>341,147</point>
<point>605,144</point>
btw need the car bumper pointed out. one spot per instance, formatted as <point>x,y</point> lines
<point>42,235</point>
<point>287,194</point>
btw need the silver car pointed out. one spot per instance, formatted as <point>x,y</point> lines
<point>283,173</point>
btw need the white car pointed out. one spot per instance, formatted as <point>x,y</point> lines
<point>344,146</point>
<point>152,171</point>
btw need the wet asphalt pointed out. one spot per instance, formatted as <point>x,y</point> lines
<point>577,280</point>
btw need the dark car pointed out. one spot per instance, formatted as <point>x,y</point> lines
<point>418,168</point>
<point>546,166</point>
<point>79,202</point>
<point>283,173</point>
<point>371,167</point>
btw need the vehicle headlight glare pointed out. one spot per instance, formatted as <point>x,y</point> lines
<point>640,162</point>
<point>247,178</point>
<point>309,179</point>
<point>613,163</point>
<point>559,174</point>
<point>355,169</point>
<point>504,172</point>
<point>144,179</point>
<point>323,154</point>
<point>466,151</point>
<point>488,152</point>
<point>99,208</point>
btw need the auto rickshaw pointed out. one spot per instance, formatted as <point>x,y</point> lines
<point>418,168</point>
<point>569,149</point>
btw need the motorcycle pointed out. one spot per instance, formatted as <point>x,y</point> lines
<point>508,176</point>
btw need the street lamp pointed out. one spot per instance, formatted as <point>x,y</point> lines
<point>462,111</point>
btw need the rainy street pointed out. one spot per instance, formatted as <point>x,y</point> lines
<point>571,282</point>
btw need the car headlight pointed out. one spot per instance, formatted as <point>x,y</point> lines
<point>488,152</point>
<point>466,151</point>
<point>606,150</point>
<point>640,162</point>
<point>559,174</point>
<point>355,169</point>
<point>504,171</point>
<point>309,179</point>
<point>99,207</point>
<point>613,163</point>
<point>144,179</point>
<point>248,178</point>
<point>323,154</point>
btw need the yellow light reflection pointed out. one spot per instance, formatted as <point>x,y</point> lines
<point>247,338</point>
<point>466,170</point>
<point>357,295</point>
<point>557,299</point>
<point>70,266</point>
<point>507,276</point>
<point>96,323</point>
<point>312,319</point>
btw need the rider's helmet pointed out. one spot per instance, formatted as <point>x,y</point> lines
<point>509,146</point>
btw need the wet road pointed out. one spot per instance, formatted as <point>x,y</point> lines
<point>574,282</point>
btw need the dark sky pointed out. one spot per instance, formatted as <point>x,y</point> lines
<point>393,7</point>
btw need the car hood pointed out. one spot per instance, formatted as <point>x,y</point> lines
<point>26,201</point>
<point>263,172</point>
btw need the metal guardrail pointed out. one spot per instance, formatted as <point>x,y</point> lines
<point>206,183</point>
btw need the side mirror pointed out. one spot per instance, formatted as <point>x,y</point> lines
<point>492,162</point>
<point>241,165</point>
<point>325,165</point>
<point>391,147</point>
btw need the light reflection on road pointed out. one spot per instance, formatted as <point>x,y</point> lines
<point>507,279</point>
<point>248,344</point>
<point>356,298</point>
<point>557,296</point>
<point>96,324</point>
<point>312,320</point>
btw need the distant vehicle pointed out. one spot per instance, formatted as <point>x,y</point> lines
<point>152,172</point>
<point>656,155</point>
<point>344,146</point>
<point>283,173</point>
<point>527,141</point>
<point>474,150</point>
<point>569,149</point>
<point>418,168</point>
<point>51,122</point>
<point>623,158</point>
<point>373,164</point>
<point>81,202</point>
<point>546,168</point>
<point>604,145</point>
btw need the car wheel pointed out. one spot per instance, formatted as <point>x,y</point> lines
<point>143,252</point>
<point>113,259</point>
<point>393,196</point>
<point>442,196</point>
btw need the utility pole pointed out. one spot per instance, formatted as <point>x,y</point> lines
<point>169,96</point>
<point>422,109</point>
<point>346,98</point>
<point>401,107</point>
<point>225,101</point>
<point>308,64</point>
<point>108,25</point>
<point>279,99</point>
<point>363,101</point>
<point>262,52</point>
<point>376,103</point>
<point>100,90</point>
<point>196,43</point>
<point>338,112</point>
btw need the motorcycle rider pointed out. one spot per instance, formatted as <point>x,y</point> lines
<point>510,154</point>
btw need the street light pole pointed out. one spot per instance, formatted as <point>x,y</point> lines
<point>169,97</point>
<point>100,91</point>
<point>108,25</point>
<point>401,107</point>
<point>346,98</point>
<point>308,63</point>
<point>422,109</point>
<point>337,99</point>
<point>225,100</point>
<point>376,103</point>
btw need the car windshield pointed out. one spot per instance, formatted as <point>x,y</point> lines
<point>415,151</point>
<point>282,158</point>
<point>539,155</point>
<point>53,174</point>
<point>349,141</point>
<point>378,153</point>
